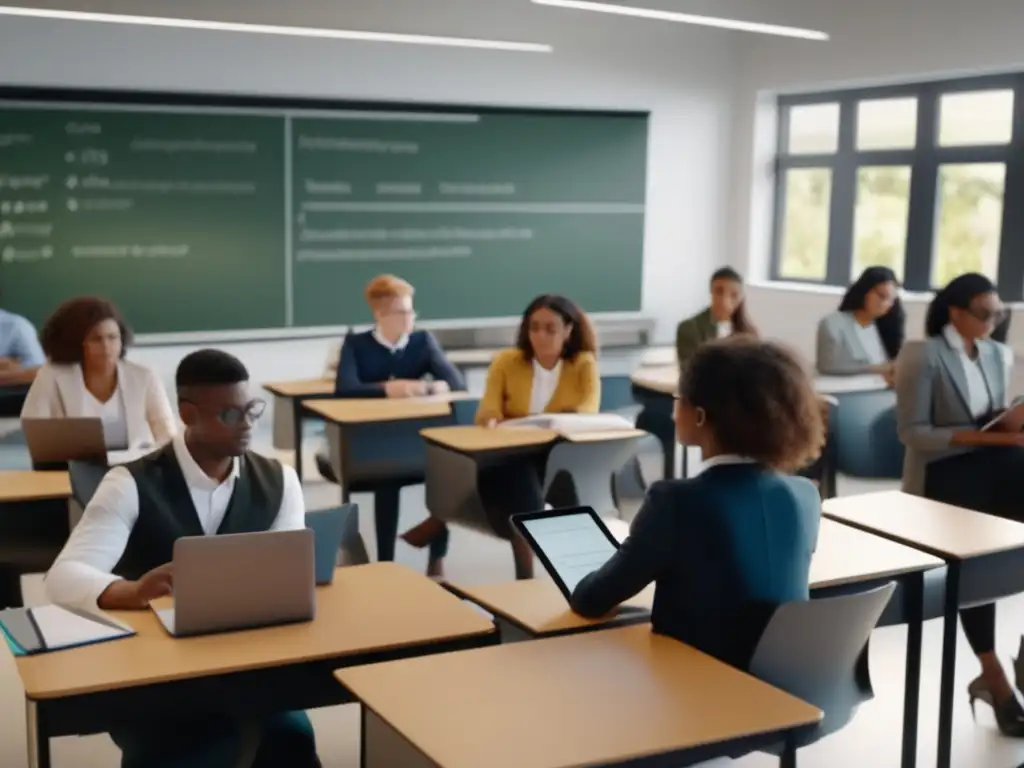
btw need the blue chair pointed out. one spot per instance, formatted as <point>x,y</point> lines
<point>868,444</point>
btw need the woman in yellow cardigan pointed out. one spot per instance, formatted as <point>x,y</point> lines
<point>552,369</point>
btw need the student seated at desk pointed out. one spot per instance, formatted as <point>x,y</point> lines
<point>391,360</point>
<point>552,369</point>
<point>726,316</point>
<point>866,333</point>
<point>21,355</point>
<point>947,387</point>
<point>87,376</point>
<point>206,481</point>
<point>726,547</point>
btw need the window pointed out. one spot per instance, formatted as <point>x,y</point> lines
<point>814,129</point>
<point>920,178</point>
<point>886,124</point>
<point>880,219</point>
<point>805,231</point>
<point>969,221</point>
<point>971,119</point>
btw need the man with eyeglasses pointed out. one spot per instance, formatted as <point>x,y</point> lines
<point>206,481</point>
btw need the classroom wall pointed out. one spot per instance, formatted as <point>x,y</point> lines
<point>685,77</point>
<point>873,42</point>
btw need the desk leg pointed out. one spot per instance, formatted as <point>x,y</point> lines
<point>948,672</point>
<point>788,757</point>
<point>914,597</point>
<point>297,434</point>
<point>384,747</point>
<point>38,740</point>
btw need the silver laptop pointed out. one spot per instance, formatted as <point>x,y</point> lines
<point>241,581</point>
<point>55,441</point>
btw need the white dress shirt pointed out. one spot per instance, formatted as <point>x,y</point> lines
<point>113,415</point>
<point>545,382</point>
<point>979,399</point>
<point>82,571</point>
<point>871,343</point>
<point>398,346</point>
<point>723,330</point>
<point>726,458</point>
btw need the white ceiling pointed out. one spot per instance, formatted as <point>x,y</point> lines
<point>499,19</point>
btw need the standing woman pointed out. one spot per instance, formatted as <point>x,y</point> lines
<point>866,333</point>
<point>947,387</point>
<point>552,369</point>
<point>726,316</point>
<point>86,376</point>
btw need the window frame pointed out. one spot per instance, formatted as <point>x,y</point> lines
<point>924,161</point>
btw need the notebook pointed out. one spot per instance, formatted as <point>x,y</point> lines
<point>52,628</point>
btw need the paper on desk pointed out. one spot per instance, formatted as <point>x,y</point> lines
<point>837,385</point>
<point>572,422</point>
<point>62,628</point>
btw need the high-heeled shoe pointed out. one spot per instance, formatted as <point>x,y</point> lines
<point>1018,667</point>
<point>1009,714</point>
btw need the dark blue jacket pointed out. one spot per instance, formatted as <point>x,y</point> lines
<point>366,364</point>
<point>724,549</point>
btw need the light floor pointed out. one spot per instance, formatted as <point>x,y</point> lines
<point>871,741</point>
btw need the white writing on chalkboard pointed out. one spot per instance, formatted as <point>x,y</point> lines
<point>342,144</point>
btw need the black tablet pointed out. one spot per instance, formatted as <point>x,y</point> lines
<point>571,543</point>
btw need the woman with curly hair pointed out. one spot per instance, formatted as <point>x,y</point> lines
<point>86,376</point>
<point>727,547</point>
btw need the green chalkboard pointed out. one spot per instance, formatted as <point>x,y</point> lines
<point>209,217</point>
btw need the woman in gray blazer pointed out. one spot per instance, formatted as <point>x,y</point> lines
<point>947,387</point>
<point>866,333</point>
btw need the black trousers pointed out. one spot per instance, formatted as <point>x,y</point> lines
<point>986,480</point>
<point>385,516</point>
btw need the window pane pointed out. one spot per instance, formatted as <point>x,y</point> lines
<point>880,219</point>
<point>887,124</point>
<point>970,218</point>
<point>979,117</point>
<point>814,129</point>
<point>804,246</point>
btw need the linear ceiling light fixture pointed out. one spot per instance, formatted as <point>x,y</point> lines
<point>272,29</point>
<point>687,18</point>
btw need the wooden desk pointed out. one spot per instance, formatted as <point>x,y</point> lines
<point>289,411</point>
<point>594,699</point>
<point>34,525</point>
<point>371,612</point>
<point>984,556</point>
<point>472,439</point>
<point>366,410</point>
<point>26,485</point>
<point>846,559</point>
<point>584,462</point>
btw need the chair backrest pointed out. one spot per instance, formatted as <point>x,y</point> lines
<point>817,651</point>
<point>85,479</point>
<point>351,549</point>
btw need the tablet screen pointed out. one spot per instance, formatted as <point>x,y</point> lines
<point>573,544</point>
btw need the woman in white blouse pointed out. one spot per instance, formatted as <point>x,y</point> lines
<point>866,333</point>
<point>86,376</point>
<point>948,387</point>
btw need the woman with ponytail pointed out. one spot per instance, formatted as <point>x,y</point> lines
<point>948,387</point>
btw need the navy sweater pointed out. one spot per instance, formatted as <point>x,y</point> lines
<point>365,364</point>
